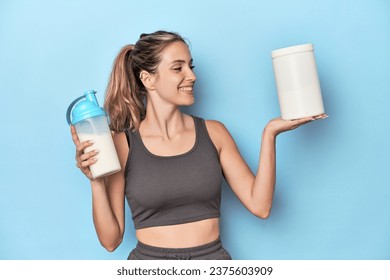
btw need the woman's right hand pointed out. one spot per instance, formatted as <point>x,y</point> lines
<point>83,159</point>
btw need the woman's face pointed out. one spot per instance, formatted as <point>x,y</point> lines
<point>175,78</point>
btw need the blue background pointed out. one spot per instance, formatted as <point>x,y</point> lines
<point>332,195</point>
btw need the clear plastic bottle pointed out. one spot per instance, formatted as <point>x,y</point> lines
<point>90,122</point>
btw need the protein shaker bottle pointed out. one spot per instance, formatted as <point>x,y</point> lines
<point>297,82</point>
<point>91,123</point>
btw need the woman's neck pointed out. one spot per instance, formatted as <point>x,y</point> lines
<point>164,121</point>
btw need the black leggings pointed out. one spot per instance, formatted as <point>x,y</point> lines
<point>209,251</point>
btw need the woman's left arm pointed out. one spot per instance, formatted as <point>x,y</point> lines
<point>254,191</point>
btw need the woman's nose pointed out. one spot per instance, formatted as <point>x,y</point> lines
<point>191,76</point>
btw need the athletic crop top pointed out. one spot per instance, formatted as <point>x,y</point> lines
<point>170,190</point>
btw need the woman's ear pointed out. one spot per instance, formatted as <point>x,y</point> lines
<point>147,79</point>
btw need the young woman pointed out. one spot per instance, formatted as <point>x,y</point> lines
<point>172,163</point>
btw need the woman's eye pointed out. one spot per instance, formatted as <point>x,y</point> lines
<point>180,68</point>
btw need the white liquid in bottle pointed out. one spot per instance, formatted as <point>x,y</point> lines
<point>107,159</point>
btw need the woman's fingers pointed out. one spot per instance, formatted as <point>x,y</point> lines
<point>87,172</point>
<point>75,138</point>
<point>322,116</point>
<point>309,119</point>
<point>303,121</point>
<point>83,159</point>
<point>278,125</point>
<point>86,163</point>
<point>86,159</point>
<point>80,148</point>
<point>89,155</point>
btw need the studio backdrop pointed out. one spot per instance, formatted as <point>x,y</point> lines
<point>332,192</point>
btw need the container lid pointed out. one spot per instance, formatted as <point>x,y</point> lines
<point>85,109</point>
<point>292,50</point>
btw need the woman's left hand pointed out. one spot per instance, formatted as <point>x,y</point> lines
<point>278,125</point>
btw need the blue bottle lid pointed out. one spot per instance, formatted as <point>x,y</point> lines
<point>81,110</point>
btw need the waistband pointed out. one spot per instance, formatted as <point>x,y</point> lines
<point>179,253</point>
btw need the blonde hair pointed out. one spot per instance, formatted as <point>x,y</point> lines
<point>125,94</point>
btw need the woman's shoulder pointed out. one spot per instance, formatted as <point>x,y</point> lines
<point>215,125</point>
<point>217,132</point>
<point>212,124</point>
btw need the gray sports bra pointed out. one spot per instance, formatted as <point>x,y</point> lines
<point>169,190</point>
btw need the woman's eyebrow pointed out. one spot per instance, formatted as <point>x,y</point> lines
<point>181,61</point>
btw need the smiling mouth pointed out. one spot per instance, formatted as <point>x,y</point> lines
<point>187,89</point>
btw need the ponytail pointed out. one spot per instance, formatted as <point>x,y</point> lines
<point>125,95</point>
<point>124,100</point>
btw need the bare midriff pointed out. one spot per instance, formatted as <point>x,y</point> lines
<point>182,235</point>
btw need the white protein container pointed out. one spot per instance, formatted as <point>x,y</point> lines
<point>297,82</point>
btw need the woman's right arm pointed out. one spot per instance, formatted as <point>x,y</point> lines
<point>107,193</point>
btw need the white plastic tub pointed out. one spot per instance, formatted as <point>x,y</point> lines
<point>297,82</point>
